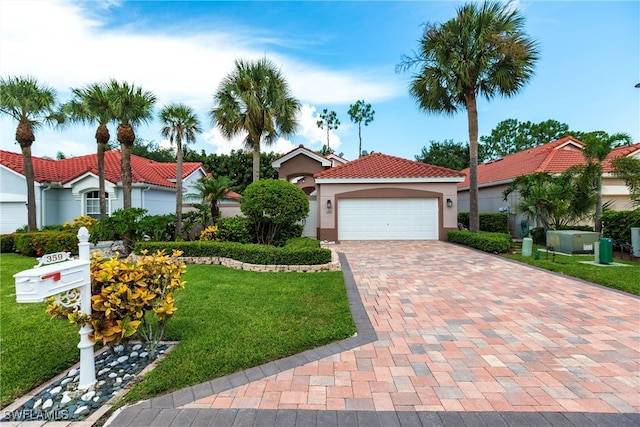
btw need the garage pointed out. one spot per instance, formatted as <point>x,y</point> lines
<point>388,219</point>
<point>13,211</point>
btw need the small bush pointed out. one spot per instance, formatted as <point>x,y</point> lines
<point>209,233</point>
<point>489,221</point>
<point>46,242</point>
<point>235,229</point>
<point>487,242</point>
<point>617,225</point>
<point>288,232</point>
<point>81,221</point>
<point>249,253</point>
<point>158,227</point>
<point>7,243</point>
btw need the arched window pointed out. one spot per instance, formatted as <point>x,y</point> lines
<point>92,204</point>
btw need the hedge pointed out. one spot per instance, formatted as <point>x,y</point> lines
<point>293,254</point>
<point>7,243</point>
<point>617,225</point>
<point>489,221</point>
<point>46,242</point>
<point>485,241</point>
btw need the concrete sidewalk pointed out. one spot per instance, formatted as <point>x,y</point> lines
<point>446,336</point>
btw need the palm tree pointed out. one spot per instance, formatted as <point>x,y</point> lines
<point>180,122</point>
<point>211,190</point>
<point>31,105</point>
<point>131,106</point>
<point>255,99</point>
<point>482,51</point>
<point>92,104</point>
<point>597,146</point>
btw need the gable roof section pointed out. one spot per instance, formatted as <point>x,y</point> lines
<point>300,150</point>
<point>382,167</point>
<point>143,170</point>
<point>553,157</point>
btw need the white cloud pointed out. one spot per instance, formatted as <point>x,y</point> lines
<point>63,44</point>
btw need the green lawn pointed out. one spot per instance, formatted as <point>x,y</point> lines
<point>227,320</point>
<point>623,278</point>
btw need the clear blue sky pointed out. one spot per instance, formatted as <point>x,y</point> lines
<point>332,54</point>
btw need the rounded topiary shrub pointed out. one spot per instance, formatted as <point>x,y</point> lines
<point>273,205</point>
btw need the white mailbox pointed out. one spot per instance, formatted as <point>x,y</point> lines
<point>39,283</point>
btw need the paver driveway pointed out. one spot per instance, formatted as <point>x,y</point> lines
<point>459,330</point>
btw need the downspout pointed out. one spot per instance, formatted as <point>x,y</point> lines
<point>144,190</point>
<point>43,188</point>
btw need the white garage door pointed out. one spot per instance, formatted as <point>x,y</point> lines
<point>388,219</point>
<point>13,215</point>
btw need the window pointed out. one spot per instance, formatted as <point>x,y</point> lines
<point>92,204</point>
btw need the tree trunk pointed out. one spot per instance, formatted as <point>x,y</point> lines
<point>256,160</point>
<point>179,156</point>
<point>25,137</point>
<point>102,137</point>
<point>472,117</point>
<point>126,137</point>
<point>598,221</point>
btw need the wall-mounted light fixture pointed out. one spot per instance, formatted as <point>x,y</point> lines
<point>449,203</point>
<point>328,204</point>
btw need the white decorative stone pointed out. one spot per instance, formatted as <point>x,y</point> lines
<point>66,381</point>
<point>48,404</point>
<point>72,373</point>
<point>104,371</point>
<point>113,375</point>
<point>88,395</point>
<point>37,404</point>
<point>133,354</point>
<point>55,390</point>
<point>137,347</point>
<point>128,377</point>
<point>123,359</point>
<point>144,354</point>
<point>81,410</point>
<point>66,398</point>
<point>114,363</point>
<point>118,381</point>
<point>118,348</point>
<point>101,383</point>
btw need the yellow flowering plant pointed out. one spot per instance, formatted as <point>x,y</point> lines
<point>129,298</point>
<point>209,233</point>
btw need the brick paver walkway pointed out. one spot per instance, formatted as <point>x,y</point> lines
<point>461,331</point>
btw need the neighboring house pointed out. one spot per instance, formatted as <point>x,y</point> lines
<point>68,188</point>
<point>376,197</point>
<point>554,157</point>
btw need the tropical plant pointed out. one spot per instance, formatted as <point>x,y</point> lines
<point>328,120</point>
<point>628,169</point>
<point>123,224</point>
<point>31,104</point>
<point>553,201</point>
<point>180,124</point>
<point>210,190</point>
<point>483,51</point>
<point>131,107</point>
<point>273,205</point>
<point>597,146</point>
<point>254,99</point>
<point>360,113</point>
<point>92,104</point>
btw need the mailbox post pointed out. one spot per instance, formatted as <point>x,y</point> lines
<point>71,281</point>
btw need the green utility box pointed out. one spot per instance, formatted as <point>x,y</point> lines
<point>606,251</point>
<point>572,241</point>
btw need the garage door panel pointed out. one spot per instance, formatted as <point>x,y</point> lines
<point>388,219</point>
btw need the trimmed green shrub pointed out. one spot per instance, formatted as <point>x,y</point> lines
<point>288,232</point>
<point>489,221</point>
<point>302,242</point>
<point>617,225</point>
<point>7,243</point>
<point>274,206</point>
<point>46,242</point>
<point>485,241</point>
<point>235,229</point>
<point>249,253</point>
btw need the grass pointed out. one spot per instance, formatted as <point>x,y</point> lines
<point>32,348</point>
<point>622,278</point>
<point>227,320</point>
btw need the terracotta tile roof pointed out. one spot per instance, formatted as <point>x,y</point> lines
<point>554,157</point>
<point>378,165</point>
<point>63,171</point>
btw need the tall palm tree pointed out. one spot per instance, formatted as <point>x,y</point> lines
<point>131,107</point>
<point>255,99</point>
<point>179,122</point>
<point>597,146</point>
<point>92,104</point>
<point>482,51</point>
<point>32,104</point>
